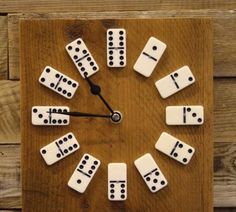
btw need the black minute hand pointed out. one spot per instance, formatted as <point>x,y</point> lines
<point>96,90</point>
<point>80,114</point>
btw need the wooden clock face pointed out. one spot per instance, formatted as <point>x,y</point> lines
<point>136,97</point>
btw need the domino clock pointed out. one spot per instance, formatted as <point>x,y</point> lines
<point>55,80</point>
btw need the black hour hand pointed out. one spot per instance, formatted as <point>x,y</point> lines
<point>81,114</point>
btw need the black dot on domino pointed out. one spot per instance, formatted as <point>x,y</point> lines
<point>75,146</point>
<point>79,64</point>
<point>121,32</point>
<point>163,182</point>
<point>122,185</point>
<point>64,91</point>
<point>81,166</point>
<point>112,191</point>
<point>110,57</point>
<point>77,49</point>
<point>59,89</point>
<point>42,79</point>
<point>112,196</point>
<point>176,75</point>
<point>111,52</point>
<point>65,110</point>
<point>91,63</point>
<point>110,32</point>
<point>156,173</point>
<point>40,116</point>
<point>74,85</point>
<point>95,162</point>
<point>90,171</point>
<point>84,51</point>
<point>190,150</point>
<point>69,82</point>
<point>35,110</point>
<point>190,79</point>
<point>58,155</point>
<point>122,190</point>
<point>94,68</point>
<point>65,151</point>
<point>194,114</point>
<point>48,70</point>
<point>86,157</point>
<point>153,188</point>
<point>121,38</point>
<point>65,121</point>
<point>155,180</point>
<point>54,110</point>
<point>121,43</point>
<point>70,148</point>
<point>60,142</point>
<point>121,58</point>
<point>122,196</point>
<point>70,136</point>
<point>69,48</point>
<point>78,42</point>
<point>180,145</point>
<point>54,121</point>
<point>45,121</point>
<point>52,84</point>
<point>154,48</point>
<point>65,139</point>
<point>148,179</point>
<point>59,121</point>
<point>199,120</point>
<point>112,185</point>
<point>57,75</point>
<point>82,69</point>
<point>69,94</point>
<point>75,57</point>
<point>110,44</point>
<point>188,109</point>
<point>44,151</point>
<point>111,63</point>
<point>110,38</point>
<point>93,167</point>
<point>84,162</point>
<point>64,80</point>
<point>185,160</point>
<point>121,52</point>
<point>175,154</point>
<point>121,63</point>
<point>85,73</point>
<point>89,58</point>
<point>78,181</point>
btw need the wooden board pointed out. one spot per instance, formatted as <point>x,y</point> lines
<point>189,42</point>
<point>3,47</point>
<point>224,43</point>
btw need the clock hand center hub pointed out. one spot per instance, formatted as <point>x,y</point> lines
<point>116,117</point>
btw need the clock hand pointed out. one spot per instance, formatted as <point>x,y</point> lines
<point>96,90</point>
<point>80,114</point>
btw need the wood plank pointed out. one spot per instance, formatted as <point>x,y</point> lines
<point>3,47</point>
<point>224,176</point>
<point>136,134</point>
<point>224,30</point>
<point>225,209</point>
<point>109,5</point>
<point>224,110</point>
<point>9,111</point>
<point>10,185</point>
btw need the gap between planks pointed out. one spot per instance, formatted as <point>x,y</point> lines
<point>223,21</point>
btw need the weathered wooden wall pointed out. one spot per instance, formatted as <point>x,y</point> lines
<point>224,17</point>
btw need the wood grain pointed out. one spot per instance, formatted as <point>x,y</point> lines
<point>224,176</point>
<point>3,48</point>
<point>9,111</point>
<point>224,33</point>
<point>109,5</point>
<point>130,93</point>
<point>224,110</point>
<point>10,185</point>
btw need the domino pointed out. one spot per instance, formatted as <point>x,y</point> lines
<point>58,82</point>
<point>184,115</point>
<point>149,57</point>
<point>84,173</point>
<point>60,148</point>
<point>116,47</point>
<point>174,148</point>
<point>175,82</point>
<point>43,115</point>
<point>117,181</point>
<point>82,58</point>
<point>150,173</point>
